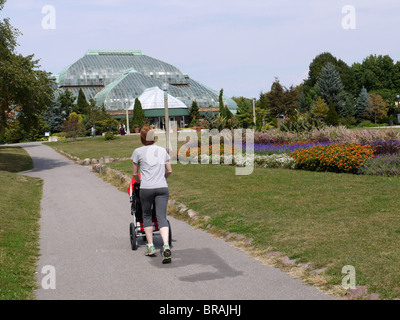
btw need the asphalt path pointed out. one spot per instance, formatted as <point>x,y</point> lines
<point>84,239</point>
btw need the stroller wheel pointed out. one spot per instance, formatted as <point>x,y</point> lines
<point>132,233</point>
<point>169,235</point>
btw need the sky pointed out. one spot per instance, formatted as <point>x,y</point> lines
<point>239,46</point>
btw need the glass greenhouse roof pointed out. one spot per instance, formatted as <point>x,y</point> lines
<point>116,78</point>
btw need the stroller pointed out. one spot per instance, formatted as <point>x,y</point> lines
<point>136,228</point>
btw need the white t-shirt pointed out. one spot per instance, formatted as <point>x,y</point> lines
<point>151,160</point>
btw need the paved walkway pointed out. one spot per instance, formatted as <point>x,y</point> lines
<point>85,237</point>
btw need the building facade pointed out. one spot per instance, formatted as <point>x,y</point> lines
<point>116,78</point>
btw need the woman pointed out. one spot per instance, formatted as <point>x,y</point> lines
<point>155,169</point>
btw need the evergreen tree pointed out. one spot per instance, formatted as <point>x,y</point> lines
<point>54,117</point>
<point>330,86</point>
<point>320,109</point>
<point>347,107</point>
<point>66,101</point>
<point>82,105</point>
<point>245,110</point>
<point>222,109</point>
<point>361,105</point>
<point>194,112</point>
<point>138,114</point>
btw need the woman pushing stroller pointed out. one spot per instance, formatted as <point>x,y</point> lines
<point>155,168</point>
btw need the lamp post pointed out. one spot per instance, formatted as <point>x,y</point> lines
<point>254,110</point>
<point>165,88</point>
<point>127,116</point>
<point>398,108</point>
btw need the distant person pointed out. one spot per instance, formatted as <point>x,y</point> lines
<point>93,132</point>
<point>155,168</point>
<point>123,130</point>
<point>119,129</point>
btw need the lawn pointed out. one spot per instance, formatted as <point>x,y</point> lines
<point>19,226</point>
<point>14,159</point>
<point>327,219</point>
<point>120,147</point>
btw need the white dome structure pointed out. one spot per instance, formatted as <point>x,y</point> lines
<point>153,98</point>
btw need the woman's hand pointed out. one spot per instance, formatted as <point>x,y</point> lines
<point>168,170</point>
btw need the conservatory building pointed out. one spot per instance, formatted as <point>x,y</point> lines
<point>116,78</point>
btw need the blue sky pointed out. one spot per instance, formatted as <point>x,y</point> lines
<point>240,46</point>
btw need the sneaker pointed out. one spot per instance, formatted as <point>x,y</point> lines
<point>150,250</point>
<point>166,254</point>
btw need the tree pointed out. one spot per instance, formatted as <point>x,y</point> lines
<point>330,86</point>
<point>66,100</point>
<point>376,72</point>
<point>222,109</point>
<point>332,117</point>
<point>361,105</point>
<point>346,73</point>
<point>377,107</point>
<point>82,104</point>
<point>320,109</point>
<point>194,113</point>
<point>73,126</point>
<point>244,113</point>
<point>22,84</point>
<point>138,114</point>
<point>282,101</point>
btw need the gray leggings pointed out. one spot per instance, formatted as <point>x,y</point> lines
<point>160,197</point>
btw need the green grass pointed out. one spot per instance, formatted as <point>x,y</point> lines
<point>14,159</point>
<point>19,228</point>
<point>120,147</point>
<point>327,219</point>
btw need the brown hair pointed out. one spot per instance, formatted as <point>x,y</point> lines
<point>147,135</point>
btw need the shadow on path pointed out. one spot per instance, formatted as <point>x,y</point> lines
<point>201,257</point>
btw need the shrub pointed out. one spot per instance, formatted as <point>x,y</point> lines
<point>109,136</point>
<point>382,165</point>
<point>106,125</point>
<point>385,146</point>
<point>334,158</point>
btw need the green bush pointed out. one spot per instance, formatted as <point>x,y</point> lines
<point>109,125</point>
<point>109,136</point>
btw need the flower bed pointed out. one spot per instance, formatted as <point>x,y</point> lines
<point>275,148</point>
<point>338,158</point>
<point>387,165</point>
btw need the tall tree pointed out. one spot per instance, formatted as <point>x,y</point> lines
<point>222,109</point>
<point>194,112</point>
<point>282,101</point>
<point>319,63</point>
<point>138,114</point>
<point>82,105</point>
<point>66,100</point>
<point>22,83</point>
<point>361,105</point>
<point>377,107</point>
<point>245,110</point>
<point>330,86</point>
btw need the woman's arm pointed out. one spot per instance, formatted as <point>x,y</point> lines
<point>168,170</point>
<point>136,172</point>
